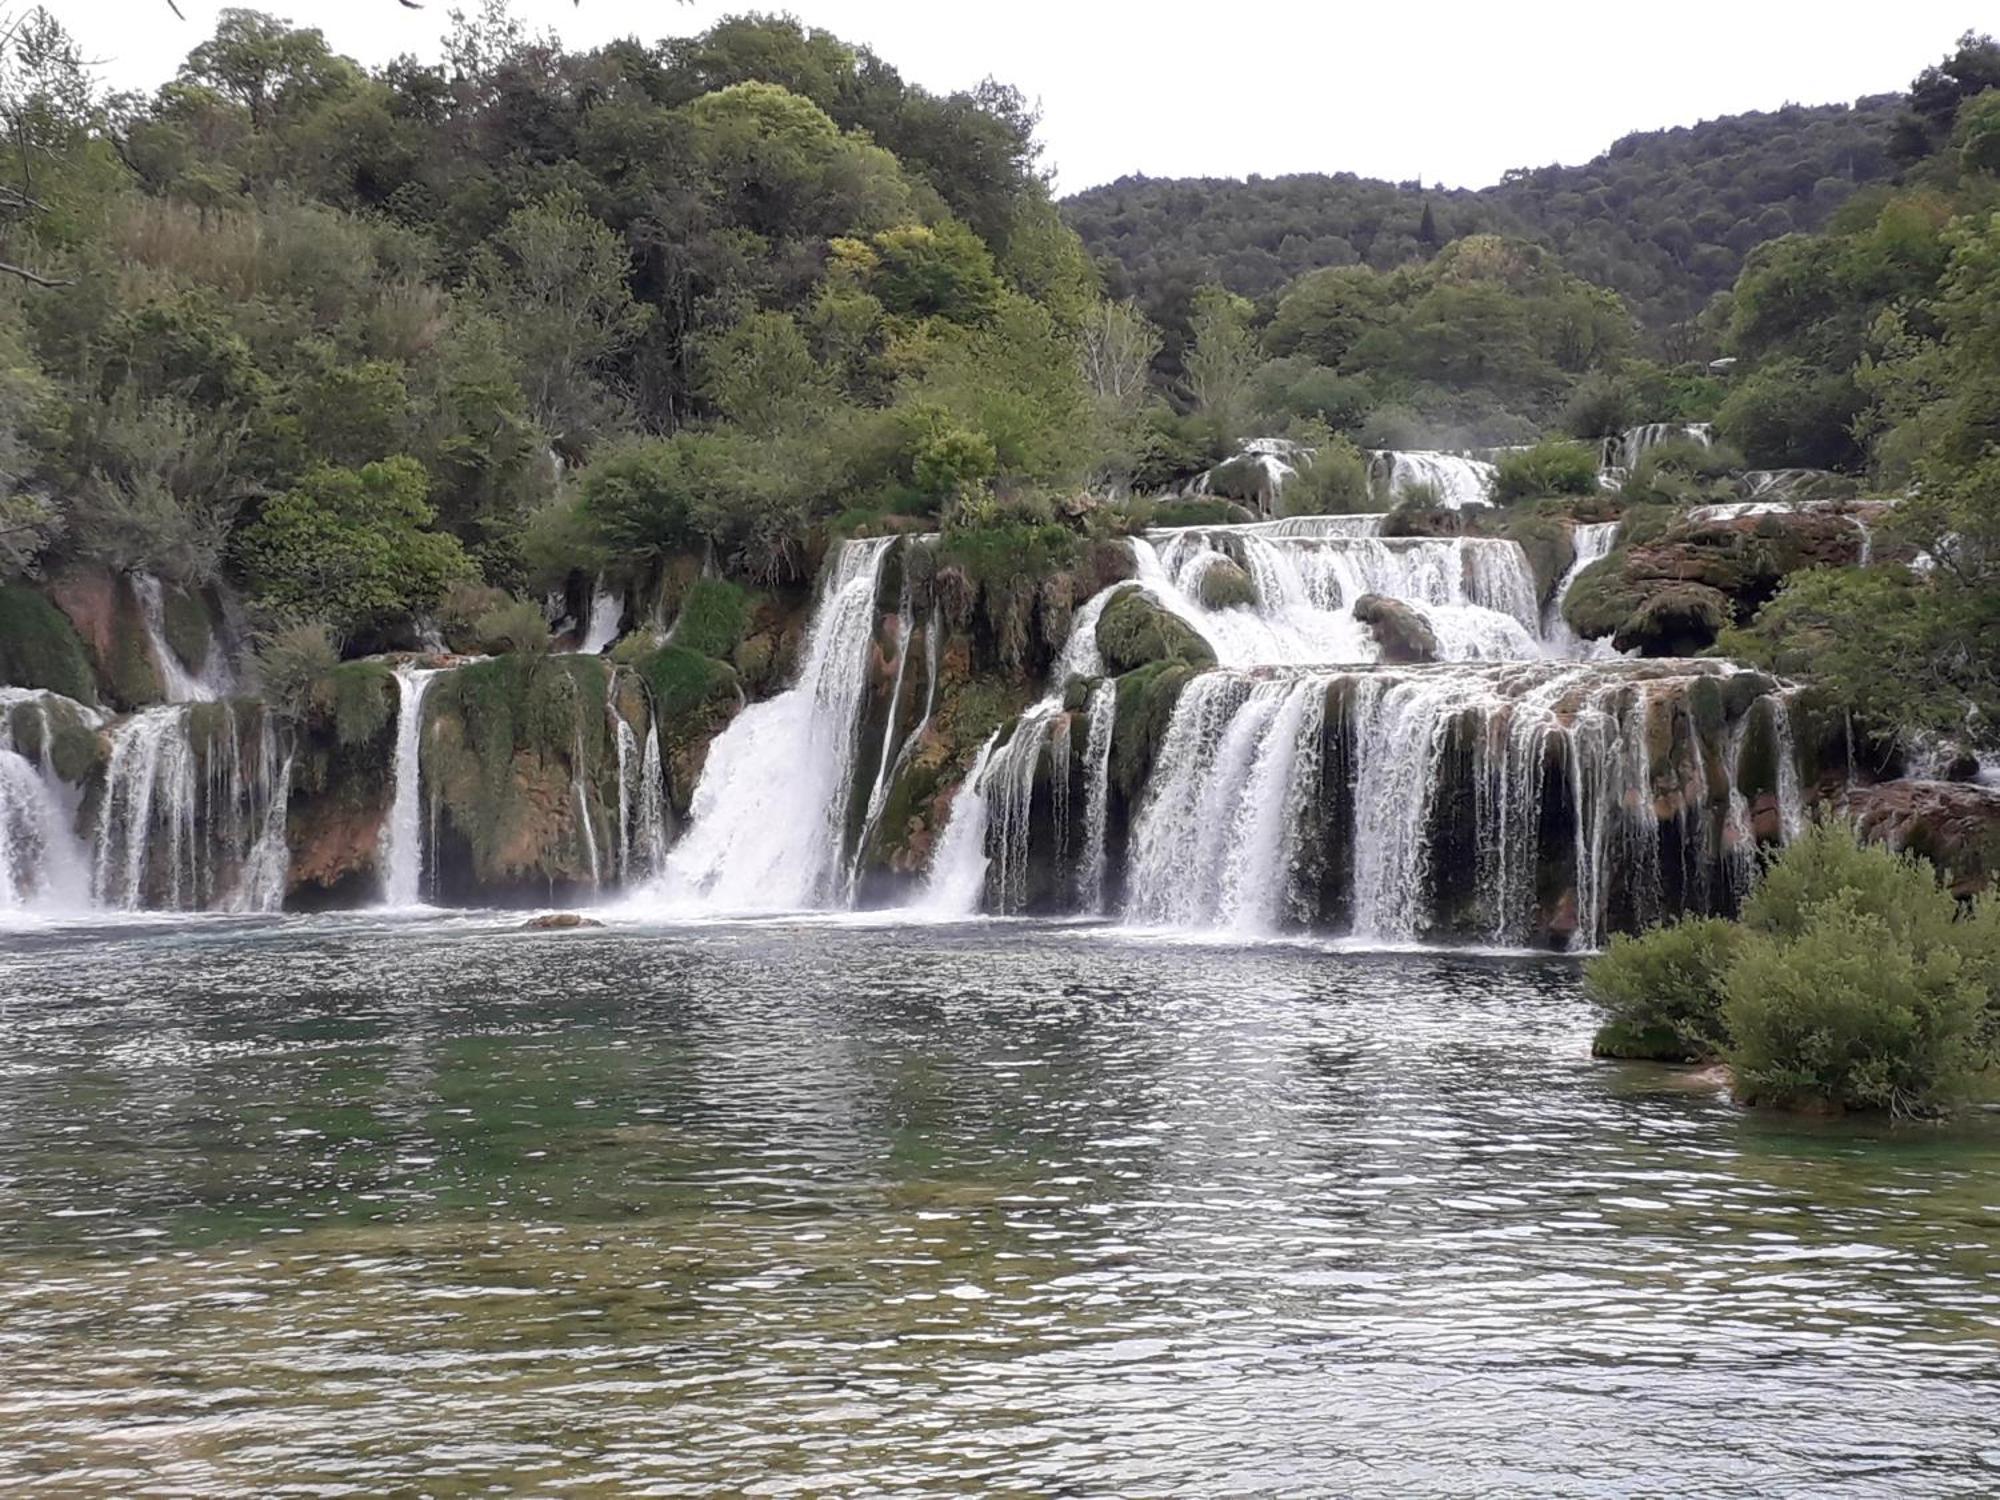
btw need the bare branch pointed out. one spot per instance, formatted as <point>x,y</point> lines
<point>34,276</point>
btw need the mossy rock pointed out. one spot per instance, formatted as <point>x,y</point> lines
<point>1680,619</point>
<point>39,647</point>
<point>501,742</point>
<point>1224,585</point>
<point>1134,632</point>
<point>1600,599</point>
<point>1640,1043</point>
<point>1403,635</point>
<point>1548,543</point>
<point>1145,706</point>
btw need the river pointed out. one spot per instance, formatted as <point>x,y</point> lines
<point>363,1205</point>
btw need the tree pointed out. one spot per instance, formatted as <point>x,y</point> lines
<point>265,65</point>
<point>559,282</point>
<point>1221,357</point>
<point>353,547</point>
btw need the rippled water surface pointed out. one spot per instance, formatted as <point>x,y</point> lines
<point>347,1207</point>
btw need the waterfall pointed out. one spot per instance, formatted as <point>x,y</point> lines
<point>890,759</point>
<point>43,865</point>
<point>957,878</point>
<point>147,813</point>
<point>1592,542</point>
<point>600,630</point>
<point>267,867</point>
<point>1477,593</point>
<point>586,828</point>
<point>1220,830</point>
<point>177,683</point>
<point>183,823</point>
<point>1624,451</point>
<point>1102,715</point>
<point>770,811</point>
<point>402,856</point>
<point>1454,480</point>
<point>651,839</point>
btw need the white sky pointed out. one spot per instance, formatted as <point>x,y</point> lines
<point>1402,89</point>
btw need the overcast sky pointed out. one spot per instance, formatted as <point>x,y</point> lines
<point>1403,89</point>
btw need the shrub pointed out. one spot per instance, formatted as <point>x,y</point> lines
<point>1848,1016</point>
<point>291,661</point>
<point>1853,981</point>
<point>1554,467</point>
<point>1334,483</point>
<point>361,697</point>
<point>1663,991</point>
<point>713,617</point>
<point>516,626</point>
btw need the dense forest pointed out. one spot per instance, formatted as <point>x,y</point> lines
<point>1664,218</point>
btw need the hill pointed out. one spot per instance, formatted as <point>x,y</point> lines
<point>1664,217</point>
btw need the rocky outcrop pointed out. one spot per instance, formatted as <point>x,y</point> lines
<point>1673,594</point>
<point>1955,825</point>
<point>105,612</point>
<point>1401,632</point>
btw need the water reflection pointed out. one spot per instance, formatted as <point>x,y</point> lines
<point>827,1209</point>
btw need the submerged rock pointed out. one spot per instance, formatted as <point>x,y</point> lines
<point>559,921</point>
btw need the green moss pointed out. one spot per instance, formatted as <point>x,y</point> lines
<point>1599,598</point>
<point>39,648</point>
<point>189,630</point>
<point>713,618</point>
<point>1134,632</point>
<point>1547,542</point>
<point>1678,619</point>
<point>1145,704</point>
<point>498,735</point>
<point>683,681</point>
<point>75,751</point>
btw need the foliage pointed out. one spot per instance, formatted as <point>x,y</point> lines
<point>1662,217</point>
<point>713,618</point>
<point>290,661</point>
<point>1334,482</point>
<point>1663,992</point>
<point>1853,981</point>
<point>353,547</point>
<point>516,626</point>
<point>1552,467</point>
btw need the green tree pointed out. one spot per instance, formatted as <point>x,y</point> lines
<point>353,547</point>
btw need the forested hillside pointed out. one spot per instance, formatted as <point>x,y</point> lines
<point>1664,217</point>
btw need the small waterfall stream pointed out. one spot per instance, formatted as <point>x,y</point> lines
<point>768,816</point>
<point>402,840</point>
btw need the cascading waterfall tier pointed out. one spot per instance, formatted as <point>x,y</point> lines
<point>1592,543</point>
<point>1452,480</point>
<point>1477,593</point>
<point>191,812</point>
<point>1623,452</point>
<point>44,866</point>
<point>769,815</point>
<point>1513,804</point>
